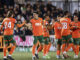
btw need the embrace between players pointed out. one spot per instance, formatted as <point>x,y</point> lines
<point>67,34</point>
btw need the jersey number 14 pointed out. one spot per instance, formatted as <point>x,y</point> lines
<point>7,25</point>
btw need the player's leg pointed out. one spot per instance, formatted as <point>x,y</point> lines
<point>70,43</point>
<point>5,47</point>
<point>76,44</point>
<point>48,46</point>
<point>12,41</point>
<point>34,47</point>
<point>59,42</point>
<point>41,40</point>
<point>40,48</point>
<point>63,43</point>
<point>45,48</point>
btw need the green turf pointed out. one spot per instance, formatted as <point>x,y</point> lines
<point>28,56</point>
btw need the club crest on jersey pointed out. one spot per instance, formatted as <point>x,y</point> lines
<point>66,20</point>
<point>37,24</point>
<point>59,27</point>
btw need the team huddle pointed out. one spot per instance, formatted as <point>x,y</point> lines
<point>67,34</point>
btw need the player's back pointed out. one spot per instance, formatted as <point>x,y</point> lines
<point>8,24</point>
<point>66,26</point>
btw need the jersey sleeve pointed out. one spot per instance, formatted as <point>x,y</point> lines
<point>69,21</point>
<point>41,20</point>
<point>79,24</point>
<point>72,27</point>
<point>14,20</point>
<point>31,21</point>
<point>54,25</point>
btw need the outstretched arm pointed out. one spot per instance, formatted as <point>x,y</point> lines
<point>20,25</point>
<point>29,25</point>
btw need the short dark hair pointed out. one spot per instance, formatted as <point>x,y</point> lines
<point>59,15</point>
<point>9,14</point>
<point>35,12</point>
<point>76,15</point>
<point>46,16</point>
<point>65,13</point>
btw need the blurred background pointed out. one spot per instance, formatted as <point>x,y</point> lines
<point>23,11</point>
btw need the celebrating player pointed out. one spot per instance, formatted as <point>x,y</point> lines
<point>57,29</point>
<point>8,26</point>
<point>76,35</point>
<point>66,36</point>
<point>47,42</point>
<point>37,32</point>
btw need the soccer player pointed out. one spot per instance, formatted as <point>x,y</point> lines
<point>66,34</point>
<point>57,29</point>
<point>8,25</point>
<point>47,43</point>
<point>76,35</point>
<point>37,25</point>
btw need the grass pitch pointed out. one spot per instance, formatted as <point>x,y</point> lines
<point>28,56</point>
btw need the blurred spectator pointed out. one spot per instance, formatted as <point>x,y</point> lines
<point>25,12</point>
<point>20,18</point>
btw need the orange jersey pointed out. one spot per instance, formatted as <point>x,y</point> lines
<point>76,33</point>
<point>79,26</point>
<point>37,26</point>
<point>46,32</point>
<point>57,30</point>
<point>8,24</point>
<point>66,26</point>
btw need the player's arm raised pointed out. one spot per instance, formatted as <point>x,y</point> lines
<point>29,25</point>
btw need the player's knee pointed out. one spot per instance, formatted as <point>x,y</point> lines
<point>6,45</point>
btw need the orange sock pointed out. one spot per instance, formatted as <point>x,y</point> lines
<point>5,50</point>
<point>48,47</point>
<point>77,49</point>
<point>58,52</point>
<point>44,50</point>
<point>74,49</point>
<point>40,48</point>
<point>33,50</point>
<point>12,50</point>
<point>63,47</point>
<point>69,46</point>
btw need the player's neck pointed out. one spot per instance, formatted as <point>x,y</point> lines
<point>75,21</point>
<point>65,17</point>
<point>58,21</point>
<point>36,18</point>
